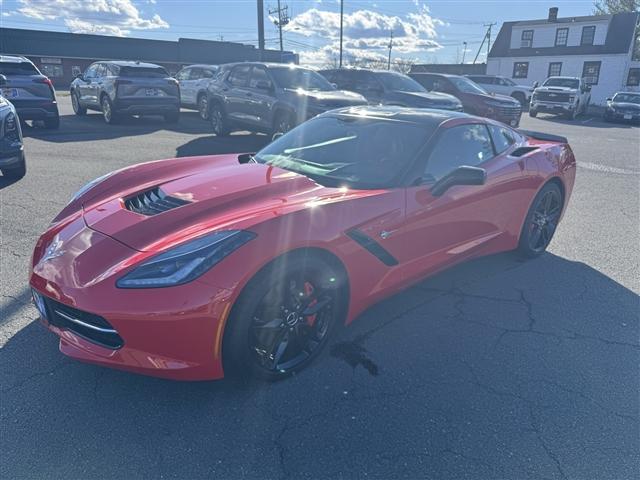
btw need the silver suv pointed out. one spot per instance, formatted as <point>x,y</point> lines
<point>119,89</point>
<point>12,162</point>
<point>194,80</point>
<point>30,91</point>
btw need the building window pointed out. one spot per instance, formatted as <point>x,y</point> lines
<point>588,34</point>
<point>526,41</point>
<point>633,79</point>
<point>52,71</point>
<point>554,69</point>
<point>591,72</point>
<point>561,37</point>
<point>520,69</point>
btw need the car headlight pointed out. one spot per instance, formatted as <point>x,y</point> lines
<point>572,98</point>
<point>10,123</point>
<point>89,186</point>
<point>185,262</point>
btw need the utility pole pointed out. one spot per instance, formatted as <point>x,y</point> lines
<point>487,36</point>
<point>464,50</point>
<point>390,47</point>
<point>341,17</point>
<point>261,28</point>
<point>281,21</point>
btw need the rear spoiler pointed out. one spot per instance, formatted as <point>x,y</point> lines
<point>545,137</point>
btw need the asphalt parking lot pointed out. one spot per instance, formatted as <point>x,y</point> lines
<point>498,368</point>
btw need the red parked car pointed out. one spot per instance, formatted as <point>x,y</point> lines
<point>195,267</point>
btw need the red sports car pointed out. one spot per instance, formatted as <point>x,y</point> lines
<point>195,267</point>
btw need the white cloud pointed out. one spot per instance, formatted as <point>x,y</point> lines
<point>366,32</point>
<point>112,17</point>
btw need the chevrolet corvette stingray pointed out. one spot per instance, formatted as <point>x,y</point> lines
<point>194,268</point>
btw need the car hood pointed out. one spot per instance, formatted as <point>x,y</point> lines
<point>626,105</point>
<point>430,98</point>
<point>338,97</point>
<point>556,89</point>
<point>494,97</point>
<point>217,193</point>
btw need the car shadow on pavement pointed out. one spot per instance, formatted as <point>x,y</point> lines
<point>6,181</point>
<point>212,145</point>
<point>90,127</point>
<point>483,371</point>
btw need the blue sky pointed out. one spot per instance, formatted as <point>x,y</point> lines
<point>425,31</point>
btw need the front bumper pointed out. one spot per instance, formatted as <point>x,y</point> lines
<point>173,333</point>
<point>36,109</point>
<point>11,157</point>
<point>551,107</point>
<point>616,115</point>
<point>147,106</point>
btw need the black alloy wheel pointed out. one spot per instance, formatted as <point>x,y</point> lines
<point>542,221</point>
<point>203,107</point>
<point>218,120</point>
<point>75,103</point>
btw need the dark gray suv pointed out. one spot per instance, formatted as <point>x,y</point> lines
<point>30,91</point>
<point>119,89</point>
<point>271,97</point>
<point>12,162</point>
<point>381,87</point>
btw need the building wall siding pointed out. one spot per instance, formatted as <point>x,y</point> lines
<point>613,71</point>
<point>545,35</point>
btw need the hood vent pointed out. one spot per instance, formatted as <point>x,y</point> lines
<point>152,202</point>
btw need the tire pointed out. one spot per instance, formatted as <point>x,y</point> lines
<point>268,315</point>
<point>16,173</point>
<point>78,109</point>
<point>173,117</point>
<point>519,96</point>
<point>110,117</point>
<point>218,119</point>
<point>533,113</point>
<point>282,123</point>
<point>203,106</point>
<point>52,123</point>
<point>541,221</point>
<point>573,113</point>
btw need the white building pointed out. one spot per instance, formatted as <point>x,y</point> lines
<point>599,48</point>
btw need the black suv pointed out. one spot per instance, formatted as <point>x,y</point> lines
<point>390,88</point>
<point>30,91</point>
<point>271,97</point>
<point>12,162</point>
<point>119,89</point>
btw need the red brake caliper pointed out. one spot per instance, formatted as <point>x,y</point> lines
<point>308,290</point>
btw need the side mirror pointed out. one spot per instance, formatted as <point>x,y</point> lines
<point>80,76</point>
<point>536,84</point>
<point>3,80</point>
<point>276,136</point>
<point>464,175</point>
<point>609,99</point>
<point>263,85</point>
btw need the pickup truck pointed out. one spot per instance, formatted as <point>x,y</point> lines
<point>565,95</point>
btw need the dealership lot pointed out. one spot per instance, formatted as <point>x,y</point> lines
<point>497,369</point>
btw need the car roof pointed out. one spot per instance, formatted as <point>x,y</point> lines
<point>14,59</point>
<point>266,65</point>
<point>420,116</point>
<point>564,77</point>
<point>128,63</point>
<point>357,69</point>
<point>447,75</point>
<point>201,65</point>
<point>628,93</point>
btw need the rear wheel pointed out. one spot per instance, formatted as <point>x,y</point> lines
<point>541,221</point>
<point>283,318</point>
<point>78,109</point>
<point>574,113</point>
<point>108,114</point>
<point>218,120</point>
<point>203,107</point>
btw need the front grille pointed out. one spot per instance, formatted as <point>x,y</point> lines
<point>553,97</point>
<point>87,325</point>
<point>509,111</point>
<point>152,202</point>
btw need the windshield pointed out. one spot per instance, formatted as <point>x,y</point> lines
<point>627,98</point>
<point>467,86</point>
<point>360,152</point>
<point>397,81</point>
<point>143,72</point>
<point>508,81</point>
<point>294,78</point>
<point>562,82</point>
<point>17,68</point>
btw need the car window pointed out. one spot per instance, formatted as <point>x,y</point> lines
<point>457,146</point>
<point>143,72</point>
<point>100,70</point>
<point>91,71</point>
<point>425,80</point>
<point>296,77</point>
<point>627,98</point>
<point>467,86</point>
<point>208,73</point>
<point>196,74</point>
<point>259,74</point>
<point>399,82</point>
<point>503,138</point>
<point>18,68</point>
<point>239,76</point>
<point>562,82</point>
<point>183,74</point>
<point>344,80</point>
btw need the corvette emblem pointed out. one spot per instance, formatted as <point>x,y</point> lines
<point>53,250</point>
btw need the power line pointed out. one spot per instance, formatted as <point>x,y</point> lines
<point>281,21</point>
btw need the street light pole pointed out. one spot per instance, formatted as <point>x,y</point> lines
<point>341,17</point>
<point>464,50</point>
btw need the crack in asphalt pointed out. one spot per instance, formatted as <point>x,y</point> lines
<point>33,376</point>
<point>536,429</point>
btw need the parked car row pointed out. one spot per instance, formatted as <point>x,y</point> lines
<point>12,160</point>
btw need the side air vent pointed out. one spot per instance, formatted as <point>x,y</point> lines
<point>152,202</point>
<point>522,151</point>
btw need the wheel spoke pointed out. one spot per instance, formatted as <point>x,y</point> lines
<point>276,323</point>
<point>317,306</point>
<point>535,236</point>
<point>278,348</point>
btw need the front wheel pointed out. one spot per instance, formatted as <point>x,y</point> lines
<point>16,172</point>
<point>533,113</point>
<point>218,120</point>
<point>283,318</point>
<point>541,221</point>
<point>78,109</point>
<point>203,107</point>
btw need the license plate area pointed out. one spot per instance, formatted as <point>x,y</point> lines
<point>628,116</point>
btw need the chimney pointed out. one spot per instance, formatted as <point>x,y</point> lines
<point>553,14</point>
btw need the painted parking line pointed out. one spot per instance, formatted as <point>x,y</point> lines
<point>607,169</point>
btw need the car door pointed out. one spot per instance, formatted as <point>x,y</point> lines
<point>260,97</point>
<point>191,85</point>
<point>183,81</point>
<point>94,85</point>
<point>235,91</point>
<point>84,87</point>
<point>466,220</point>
